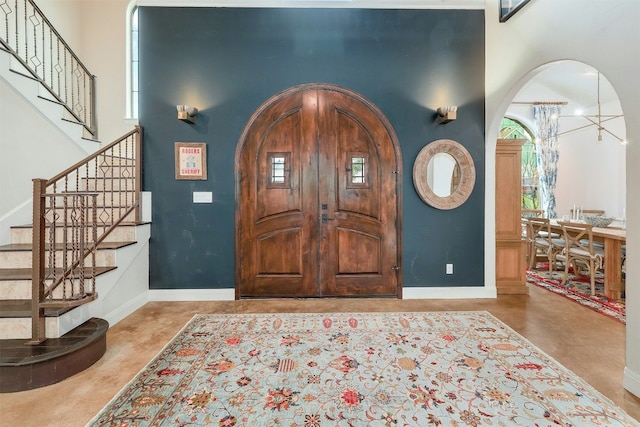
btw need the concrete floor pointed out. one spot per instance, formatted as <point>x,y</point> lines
<point>587,343</point>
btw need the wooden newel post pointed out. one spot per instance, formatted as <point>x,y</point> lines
<point>38,331</point>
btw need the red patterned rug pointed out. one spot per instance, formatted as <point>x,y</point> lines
<point>578,288</point>
<point>356,369</point>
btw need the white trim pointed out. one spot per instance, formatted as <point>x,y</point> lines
<point>145,206</point>
<point>354,4</point>
<point>126,309</point>
<point>631,381</point>
<point>466,292</point>
<point>131,7</point>
<point>192,294</point>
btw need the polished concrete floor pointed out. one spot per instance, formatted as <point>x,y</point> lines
<point>588,343</point>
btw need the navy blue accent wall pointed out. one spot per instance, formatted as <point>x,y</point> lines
<point>228,61</point>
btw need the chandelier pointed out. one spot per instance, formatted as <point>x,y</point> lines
<point>598,120</point>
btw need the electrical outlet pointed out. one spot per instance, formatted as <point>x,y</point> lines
<point>449,268</point>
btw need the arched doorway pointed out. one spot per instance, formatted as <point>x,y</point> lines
<point>318,192</point>
<point>591,165</point>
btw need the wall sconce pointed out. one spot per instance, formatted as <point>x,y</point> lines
<point>447,114</point>
<point>186,113</point>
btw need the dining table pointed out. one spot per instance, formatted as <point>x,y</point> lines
<point>613,238</point>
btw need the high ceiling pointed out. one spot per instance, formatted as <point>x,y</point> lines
<point>575,84</point>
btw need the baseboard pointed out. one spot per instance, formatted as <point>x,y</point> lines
<point>468,292</point>
<point>126,309</point>
<point>631,381</point>
<point>407,293</point>
<point>228,294</point>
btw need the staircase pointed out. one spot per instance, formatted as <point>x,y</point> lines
<point>16,282</point>
<point>76,337</point>
<point>80,260</point>
<point>61,274</point>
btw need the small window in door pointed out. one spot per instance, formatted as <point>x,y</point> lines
<point>357,170</point>
<point>278,168</point>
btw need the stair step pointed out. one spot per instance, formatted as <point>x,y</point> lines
<point>25,273</point>
<point>21,308</point>
<point>105,183</point>
<point>20,255</point>
<point>124,232</point>
<point>27,246</point>
<point>26,367</point>
<point>104,214</point>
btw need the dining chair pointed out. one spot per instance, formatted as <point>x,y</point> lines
<point>540,240</point>
<point>529,213</point>
<point>580,250</point>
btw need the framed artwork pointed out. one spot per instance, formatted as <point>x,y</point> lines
<point>191,160</point>
<point>509,7</point>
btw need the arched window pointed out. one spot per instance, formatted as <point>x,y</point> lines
<point>132,61</point>
<point>511,128</point>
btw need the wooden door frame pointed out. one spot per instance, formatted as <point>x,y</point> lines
<point>325,87</point>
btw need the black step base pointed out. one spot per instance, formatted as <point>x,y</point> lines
<point>25,367</point>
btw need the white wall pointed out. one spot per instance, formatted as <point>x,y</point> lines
<point>66,17</point>
<point>96,31</point>
<point>605,35</point>
<point>104,52</point>
<point>31,146</point>
<point>591,174</point>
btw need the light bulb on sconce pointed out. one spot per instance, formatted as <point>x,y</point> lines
<point>187,113</point>
<point>447,114</point>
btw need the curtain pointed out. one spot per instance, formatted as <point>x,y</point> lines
<point>545,118</point>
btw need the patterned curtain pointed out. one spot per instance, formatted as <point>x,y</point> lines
<point>545,118</point>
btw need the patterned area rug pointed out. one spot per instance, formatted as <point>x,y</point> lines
<point>578,289</point>
<point>356,369</point>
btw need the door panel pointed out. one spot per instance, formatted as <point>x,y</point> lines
<point>270,246</point>
<point>313,168</point>
<point>358,253</point>
<point>359,246</point>
<point>278,178</point>
<point>278,235</point>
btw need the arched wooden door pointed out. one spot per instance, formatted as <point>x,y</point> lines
<point>318,197</point>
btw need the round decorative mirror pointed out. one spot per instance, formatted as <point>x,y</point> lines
<point>444,174</point>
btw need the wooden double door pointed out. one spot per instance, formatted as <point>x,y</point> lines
<point>317,198</point>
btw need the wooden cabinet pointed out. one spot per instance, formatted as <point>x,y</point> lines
<point>510,247</point>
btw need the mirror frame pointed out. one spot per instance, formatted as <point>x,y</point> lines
<point>467,174</point>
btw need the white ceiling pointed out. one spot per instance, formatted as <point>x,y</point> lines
<point>576,84</point>
<point>572,82</point>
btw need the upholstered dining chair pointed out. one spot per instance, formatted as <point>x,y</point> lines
<point>540,240</point>
<point>580,250</point>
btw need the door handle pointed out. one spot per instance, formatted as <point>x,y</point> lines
<point>325,218</point>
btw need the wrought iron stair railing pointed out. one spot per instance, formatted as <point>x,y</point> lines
<point>33,41</point>
<point>73,212</point>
